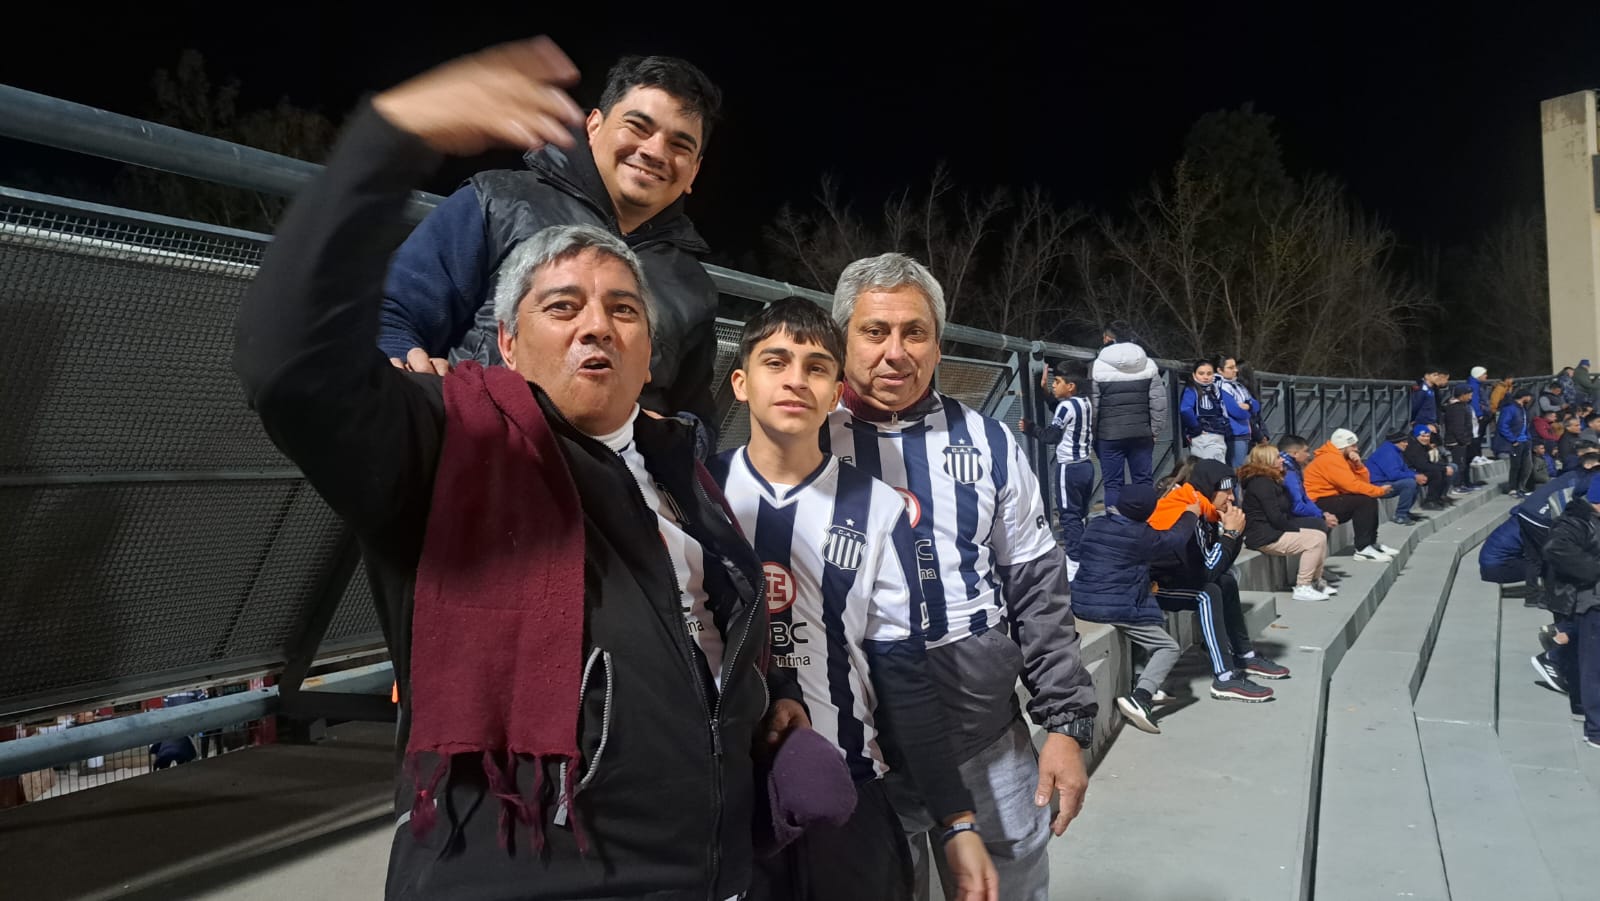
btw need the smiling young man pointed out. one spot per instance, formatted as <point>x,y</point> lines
<point>846,611</point>
<point>627,172</point>
<point>994,581</point>
<point>574,621</point>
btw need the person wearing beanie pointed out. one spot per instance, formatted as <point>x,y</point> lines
<point>1113,587</point>
<point>1572,557</point>
<point>1270,525</point>
<point>1340,484</point>
<point>1388,466</point>
<point>1196,577</point>
<point>1461,434</point>
<point>1436,476</point>
<point>1511,439</point>
<point>1475,384</point>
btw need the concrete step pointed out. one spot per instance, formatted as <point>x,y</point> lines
<point>1489,849</point>
<point>1252,767</point>
<point>1375,830</point>
<point>1557,777</point>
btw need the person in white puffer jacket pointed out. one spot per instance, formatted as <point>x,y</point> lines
<point>1130,408</point>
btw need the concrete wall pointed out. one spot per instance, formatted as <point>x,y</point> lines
<point>1572,226</point>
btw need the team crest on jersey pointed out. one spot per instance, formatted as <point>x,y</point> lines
<point>844,547</point>
<point>780,587</point>
<point>913,506</point>
<point>964,463</point>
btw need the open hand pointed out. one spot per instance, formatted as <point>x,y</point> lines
<point>1061,772</point>
<point>970,868</point>
<point>510,95</point>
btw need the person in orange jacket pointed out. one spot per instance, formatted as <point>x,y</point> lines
<point>1338,482</point>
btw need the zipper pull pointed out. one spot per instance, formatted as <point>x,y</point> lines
<point>716,739</point>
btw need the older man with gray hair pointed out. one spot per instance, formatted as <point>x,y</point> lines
<point>994,581</point>
<point>576,635</point>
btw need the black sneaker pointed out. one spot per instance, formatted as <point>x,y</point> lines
<point>1262,668</point>
<point>1137,713</point>
<point>1547,638</point>
<point>1239,688</point>
<point>1548,672</point>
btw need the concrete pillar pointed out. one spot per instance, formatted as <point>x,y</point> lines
<point>1572,226</point>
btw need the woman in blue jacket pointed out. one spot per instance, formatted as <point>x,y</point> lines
<point>1205,412</point>
<point>1240,406</point>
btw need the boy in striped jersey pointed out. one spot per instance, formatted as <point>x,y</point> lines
<point>994,581</point>
<point>846,617</point>
<point>1071,430</point>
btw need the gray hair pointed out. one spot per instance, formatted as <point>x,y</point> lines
<point>548,245</point>
<point>885,273</point>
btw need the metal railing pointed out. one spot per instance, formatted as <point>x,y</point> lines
<point>1005,385</point>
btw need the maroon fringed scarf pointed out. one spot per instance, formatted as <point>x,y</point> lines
<point>497,624</point>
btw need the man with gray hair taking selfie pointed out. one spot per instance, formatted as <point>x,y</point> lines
<point>993,579</point>
<point>577,637</point>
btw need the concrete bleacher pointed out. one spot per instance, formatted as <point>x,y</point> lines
<point>1241,779</point>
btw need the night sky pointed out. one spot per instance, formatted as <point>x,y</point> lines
<point>1430,115</point>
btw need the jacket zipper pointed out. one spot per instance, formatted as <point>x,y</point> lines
<point>730,662</point>
<point>712,710</point>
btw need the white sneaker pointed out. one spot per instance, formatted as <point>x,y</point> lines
<point>1323,586</point>
<point>1388,550</point>
<point>1373,555</point>
<point>1308,593</point>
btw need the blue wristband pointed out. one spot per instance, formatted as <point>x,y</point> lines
<point>956,830</point>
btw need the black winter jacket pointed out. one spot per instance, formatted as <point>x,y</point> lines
<point>1268,511</point>
<point>668,807</point>
<point>1572,560</point>
<point>1457,424</point>
<point>1113,580</point>
<point>441,284</point>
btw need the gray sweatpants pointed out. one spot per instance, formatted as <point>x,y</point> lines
<point>1002,778</point>
<point>1164,653</point>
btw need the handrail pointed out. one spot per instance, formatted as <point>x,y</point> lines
<point>76,127</point>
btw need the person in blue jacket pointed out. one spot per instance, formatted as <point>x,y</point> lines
<point>1113,587</point>
<point>1296,453</point>
<point>1207,413</point>
<point>1511,440</point>
<point>1425,397</point>
<point>627,172</point>
<point>1387,466</point>
<point>1240,405</point>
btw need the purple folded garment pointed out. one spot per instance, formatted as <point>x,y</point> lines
<point>807,784</point>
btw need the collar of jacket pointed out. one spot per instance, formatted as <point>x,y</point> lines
<point>572,170</point>
<point>860,409</point>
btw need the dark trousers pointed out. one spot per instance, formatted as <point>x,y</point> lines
<point>1521,468</point>
<point>1461,456</point>
<point>866,859</point>
<point>1438,484</point>
<point>1074,487</point>
<point>1586,688</point>
<point>1221,619</point>
<point>1360,509</point>
<point>1136,453</point>
<point>1533,538</point>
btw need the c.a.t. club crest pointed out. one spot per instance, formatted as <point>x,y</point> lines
<point>964,463</point>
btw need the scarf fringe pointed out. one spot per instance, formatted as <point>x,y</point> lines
<point>514,806</point>
<point>424,809</point>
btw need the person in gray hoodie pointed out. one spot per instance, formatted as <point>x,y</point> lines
<point>1130,408</point>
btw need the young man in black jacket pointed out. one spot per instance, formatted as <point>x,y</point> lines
<point>628,173</point>
<point>1461,435</point>
<point>1572,562</point>
<point>577,628</point>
